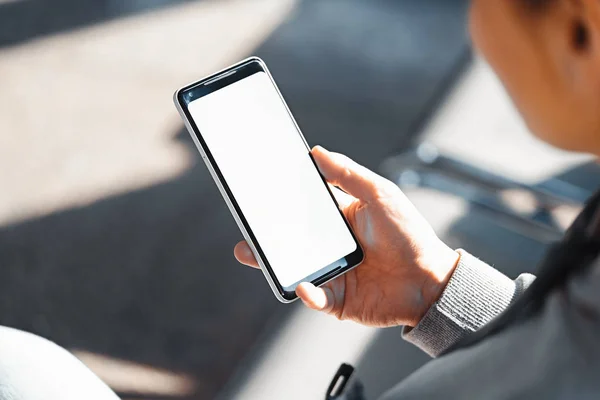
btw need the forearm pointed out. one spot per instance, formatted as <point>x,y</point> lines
<point>475,294</point>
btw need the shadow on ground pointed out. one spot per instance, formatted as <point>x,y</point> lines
<point>147,277</point>
<point>23,20</point>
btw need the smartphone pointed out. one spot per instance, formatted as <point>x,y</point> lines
<point>263,167</point>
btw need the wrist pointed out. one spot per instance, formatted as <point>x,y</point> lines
<point>437,275</point>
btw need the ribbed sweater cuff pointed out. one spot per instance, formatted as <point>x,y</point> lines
<point>476,293</point>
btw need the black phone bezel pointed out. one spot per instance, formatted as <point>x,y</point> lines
<point>226,77</point>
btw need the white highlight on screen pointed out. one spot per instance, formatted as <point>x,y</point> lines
<point>267,166</point>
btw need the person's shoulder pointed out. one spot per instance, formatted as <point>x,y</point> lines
<point>594,274</point>
<point>584,289</point>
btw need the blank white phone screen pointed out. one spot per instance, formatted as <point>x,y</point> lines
<point>267,166</point>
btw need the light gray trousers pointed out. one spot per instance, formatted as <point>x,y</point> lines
<point>33,368</point>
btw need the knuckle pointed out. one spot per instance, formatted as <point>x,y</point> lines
<point>386,189</point>
<point>346,173</point>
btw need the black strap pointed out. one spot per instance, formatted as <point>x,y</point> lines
<point>344,386</point>
<point>572,256</point>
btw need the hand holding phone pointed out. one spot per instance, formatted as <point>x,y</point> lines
<point>293,228</point>
<point>406,266</point>
<point>261,163</point>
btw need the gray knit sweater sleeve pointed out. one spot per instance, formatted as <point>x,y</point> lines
<point>475,294</point>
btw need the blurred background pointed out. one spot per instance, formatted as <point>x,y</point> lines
<point>115,243</point>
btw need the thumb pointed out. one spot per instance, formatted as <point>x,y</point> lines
<point>317,298</point>
<point>346,174</point>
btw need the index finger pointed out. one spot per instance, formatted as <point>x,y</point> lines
<point>244,255</point>
<point>345,173</point>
